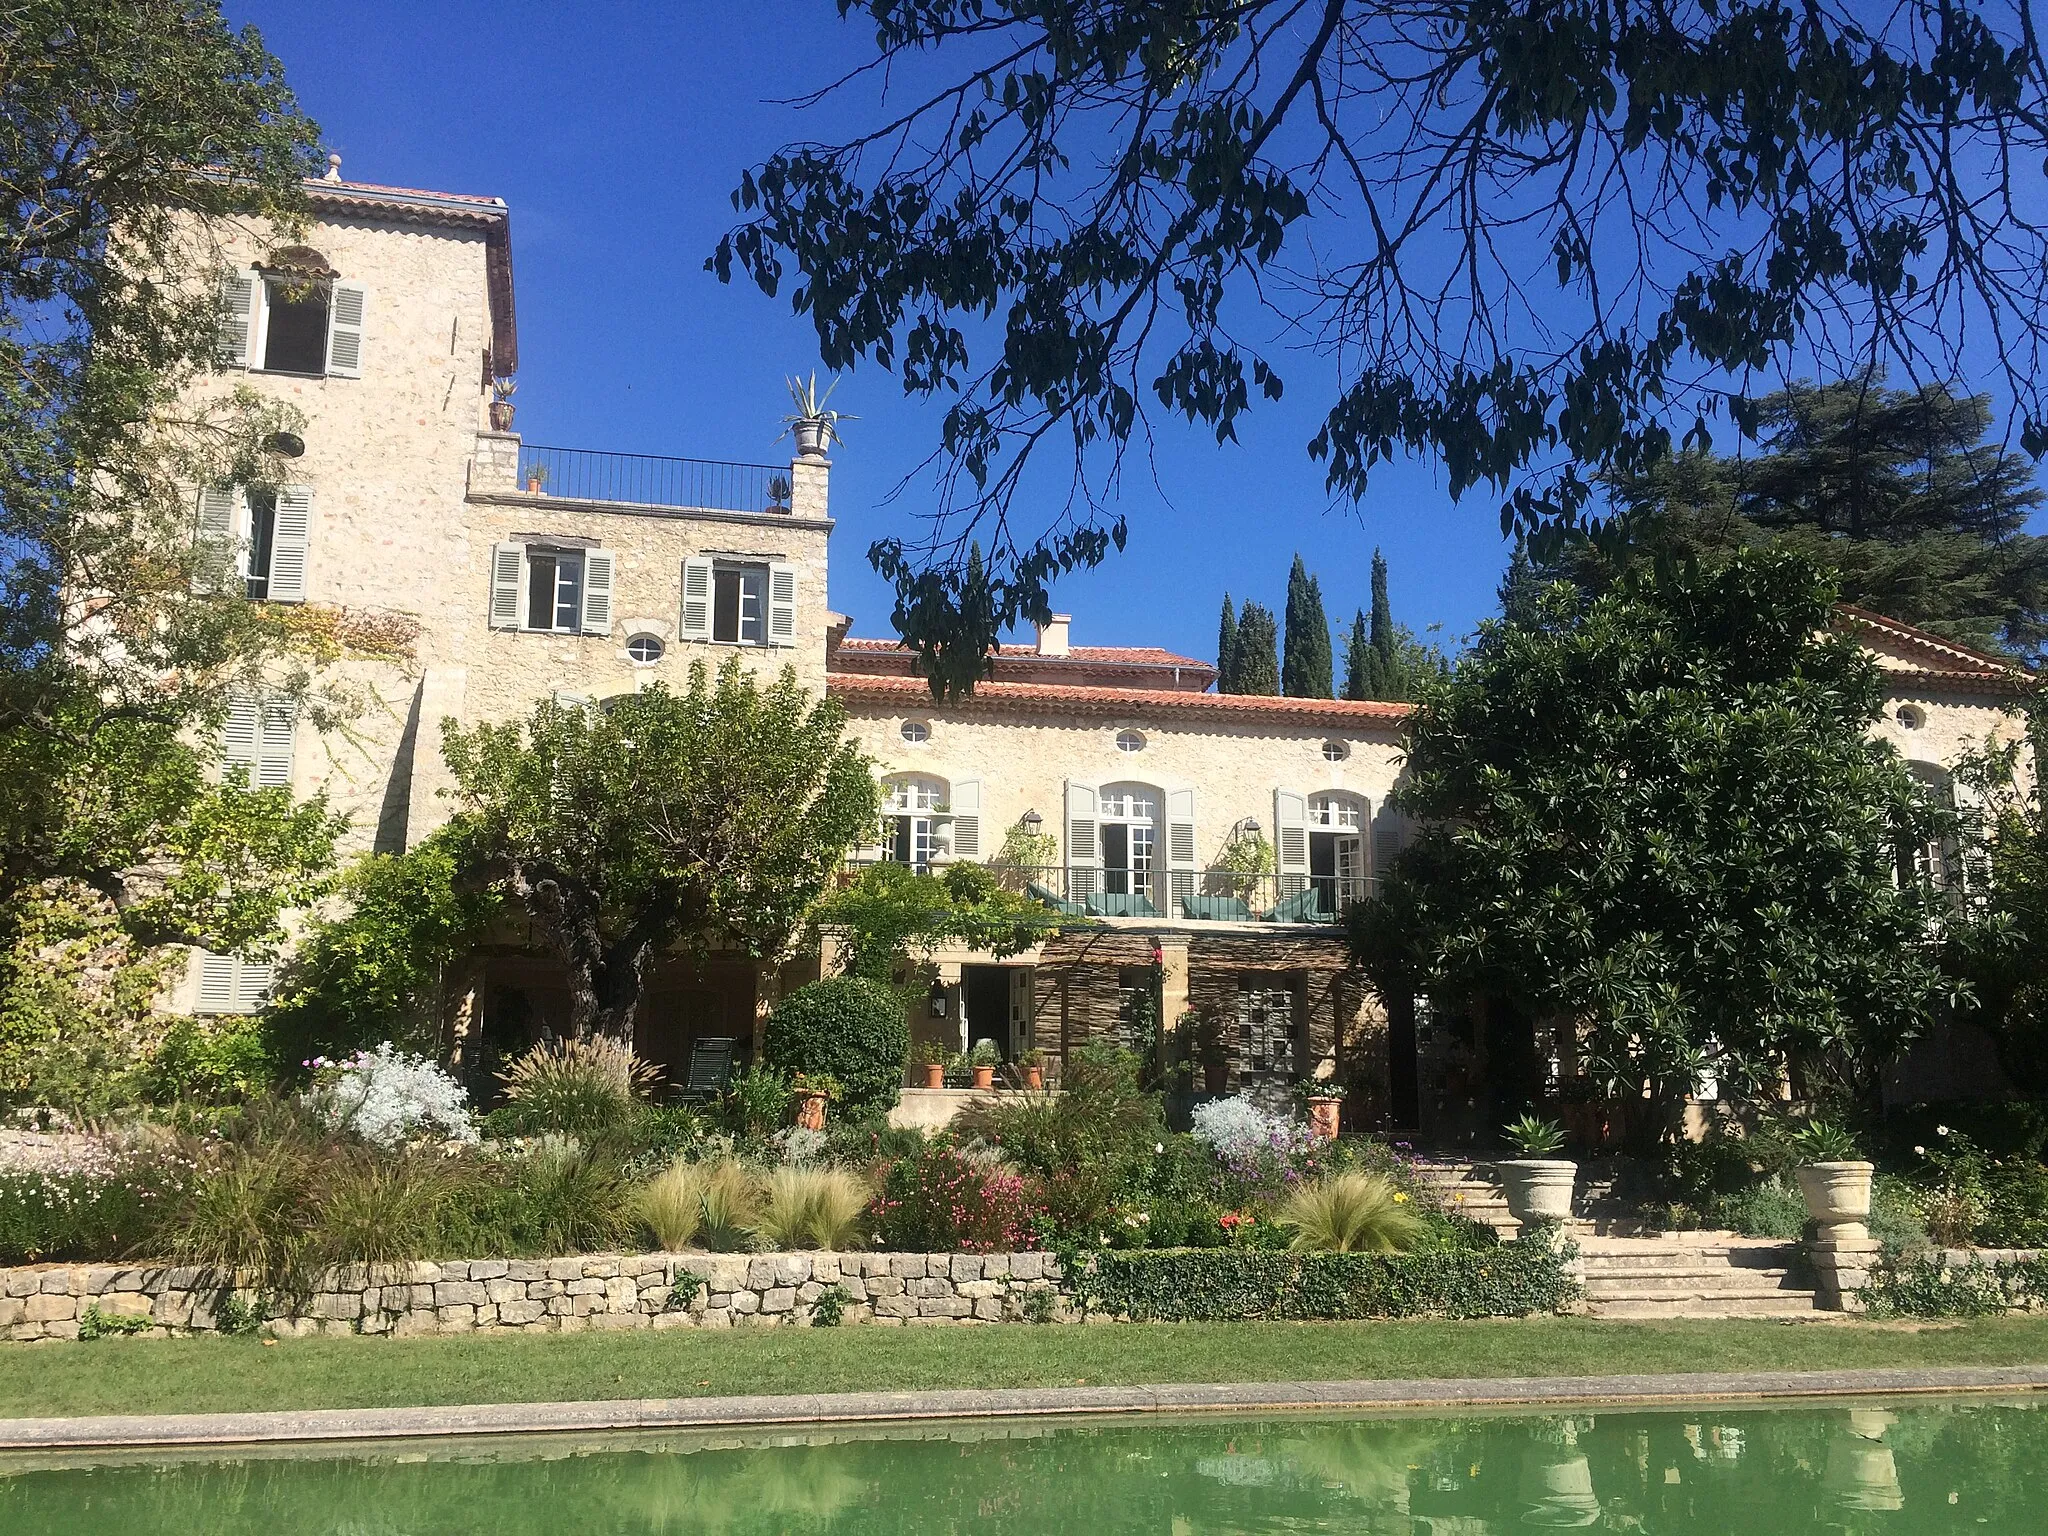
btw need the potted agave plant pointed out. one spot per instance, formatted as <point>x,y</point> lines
<point>502,391</point>
<point>1537,1182</point>
<point>811,1091</point>
<point>813,424</point>
<point>1834,1179</point>
<point>983,1060</point>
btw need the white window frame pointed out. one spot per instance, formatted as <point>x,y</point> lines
<point>228,984</point>
<point>1137,808</point>
<point>911,810</point>
<point>564,561</point>
<point>511,595</point>
<point>246,325</point>
<point>771,583</point>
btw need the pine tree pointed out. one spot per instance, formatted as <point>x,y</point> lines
<point>1305,673</point>
<point>1359,659</point>
<point>1226,650</point>
<point>1520,588</point>
<point>1258,651</point>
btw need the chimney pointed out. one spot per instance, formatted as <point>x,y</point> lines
<point>1052,638</point>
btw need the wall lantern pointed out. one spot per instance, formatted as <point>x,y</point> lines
<point>286,445</point>
<point>1031,821</point>
<point>938,999</point>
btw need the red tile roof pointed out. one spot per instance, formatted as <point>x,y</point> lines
<point>1943,654</point>
<point>1120,703</point>
<point>1099,655</point>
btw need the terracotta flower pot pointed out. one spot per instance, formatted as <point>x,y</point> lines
<point>1034,1079</point>
<point>1838,1198</point>
<point>1324,1116</point>
<point>810,1111</point>
<point>935,1074</point>
<point>984,1077</point>
<point>1538,1188</point>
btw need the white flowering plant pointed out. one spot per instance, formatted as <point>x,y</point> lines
<point>388,1097</point>
<point>1253,1143</point>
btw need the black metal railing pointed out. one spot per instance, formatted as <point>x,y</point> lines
<point>646,480</point>
<point>1178,895</point>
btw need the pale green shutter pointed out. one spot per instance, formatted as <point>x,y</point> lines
<point>696,618</point>
<point>345,310</point>
<point>290,536</point>
<point>781,603</point>
<point>1084,842</point>
<point>967,819</point>
<point>508,571</point>
<point>597,591</point>
<point>238,735</point>
<point>213,548</point>
<point>238,316</point>
<point>279,724</point>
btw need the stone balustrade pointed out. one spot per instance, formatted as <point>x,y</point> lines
<point>606,1291</point>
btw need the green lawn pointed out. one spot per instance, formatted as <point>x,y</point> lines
<point>212,1374</point>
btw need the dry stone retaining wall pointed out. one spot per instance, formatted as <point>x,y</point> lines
<point>595,1291</point>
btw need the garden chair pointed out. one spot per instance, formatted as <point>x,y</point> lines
<point>1121,904</point>
<point>1304,906</point>
<point>1215,909</point>
<point>1045,895</point>
<point>710,1069</point>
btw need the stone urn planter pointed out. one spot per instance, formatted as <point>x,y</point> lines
<point>810,1111</point>
<point>1837,1198</point>
<point>812,435</point>
<point>935,1074</point>
<point>1557,1491</point>
<point>501,415</point>
<point>1538,1189</point>
<point>1325,1115</point>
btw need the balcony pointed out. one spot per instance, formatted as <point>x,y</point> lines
<point>648,480</point>
<point>1177,896</point>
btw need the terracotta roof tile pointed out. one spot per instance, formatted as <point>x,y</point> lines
<point>1056,698</point>
<point>1938,647</point>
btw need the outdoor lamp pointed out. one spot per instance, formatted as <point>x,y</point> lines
<point>1031,821</point>
<point>286,445</point>
<point>938,999</point>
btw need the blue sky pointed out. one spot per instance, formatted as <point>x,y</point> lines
<point>617,139</point>
<point>617,136</point>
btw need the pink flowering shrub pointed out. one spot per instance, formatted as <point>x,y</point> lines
<point>99,1204</point>
<point>937,1201</point>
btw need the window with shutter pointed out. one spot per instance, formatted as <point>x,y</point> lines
<point>290,534</point>
<point>1290,829</point>
<point>967,818</point>
<point>597,591</point>
<point>1084,846</point>
<point>508,581</point>
<point>238,316</point>
<point>215,553</point>
<point>346,309</point>
<point>280,719</point>
<point>216,983</point>
<point>1180,843</point>
<point>782,604</point>
<point>696,616</point>
<point>239,734</point>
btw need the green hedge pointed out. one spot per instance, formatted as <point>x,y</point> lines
<point>1230,1285</point>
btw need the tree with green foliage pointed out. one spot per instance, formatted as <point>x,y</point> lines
<point>1661,817</point>
<point>1359,660</point>
<point>890,918</point>
<point>847,1028</point>
<point>390,964</point>
<point>1305,667</point>
<point>1384,659</point>
<point>138,133</point>
<point>715,816</point>
<point>1898,491</point>
<point>1521,588</point>
<point>1226,650</point>
<point>1258,651</point>
<point>1547,245</point>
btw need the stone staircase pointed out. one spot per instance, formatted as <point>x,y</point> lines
<point>1672,1274</point>
<point>1694,1274</point>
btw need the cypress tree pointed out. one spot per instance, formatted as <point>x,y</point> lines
<point>1305,671</point>
<point>1385,666</point>
<point>1520,587</point>
<point>1226,650</point>
<point>1359,657</point>
<point>1258,651</point>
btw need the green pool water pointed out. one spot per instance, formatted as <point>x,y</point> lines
<point>1907,1469</point>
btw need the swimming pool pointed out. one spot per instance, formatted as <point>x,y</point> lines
<point>1906,1468</point>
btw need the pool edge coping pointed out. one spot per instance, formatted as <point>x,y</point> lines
<point>310,1426</point>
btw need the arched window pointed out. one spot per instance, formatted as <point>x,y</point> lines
<point>908,812</point>
<point>1945,862</point>
<point>1337,824</point>
<point>1130,833</point>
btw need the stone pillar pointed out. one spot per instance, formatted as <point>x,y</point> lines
<point>1842,1261</point>
<point>495,464</point>
<point>1173,998</point>
<point>810,484</point>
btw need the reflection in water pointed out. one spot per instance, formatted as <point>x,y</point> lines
<point>1966,1466</point>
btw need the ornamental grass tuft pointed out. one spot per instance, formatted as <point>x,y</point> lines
<point>578,1087</point>
<point>813,1208</point>
<point>731,1202</point>
<point>671,1205</point>
<point>1350,1213</point>
<point>373,1210</point>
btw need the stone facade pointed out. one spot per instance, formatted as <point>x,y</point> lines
<point>595,1291</point>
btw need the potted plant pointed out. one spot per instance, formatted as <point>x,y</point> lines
<point>1324,1097</point>
<point>502,391</point>
<point>1537,1183</point>
<point>931,1056</point>
<point>1033,1062</point>
<point>984,1059</point>
<point>1834,1180</point>
<point>814,427</point>
<point>536,479</point>
<point>810,1092</point>
<point>778,493</point>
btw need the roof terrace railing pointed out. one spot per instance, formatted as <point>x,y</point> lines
<point>648,480</point>
<point>1178,895</point>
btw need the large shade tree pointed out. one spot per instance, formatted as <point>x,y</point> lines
<point>1899,491</point>
<point>133,135</point>
<point>712,816</point>
<point>1541,243</point>
<point>1660,817</point>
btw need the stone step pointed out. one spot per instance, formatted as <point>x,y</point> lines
<point>1688,1285</point>
<point>1683,1261</point>
<point>1787,1304</point>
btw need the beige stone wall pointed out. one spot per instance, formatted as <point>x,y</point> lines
<point>1024,762</point>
